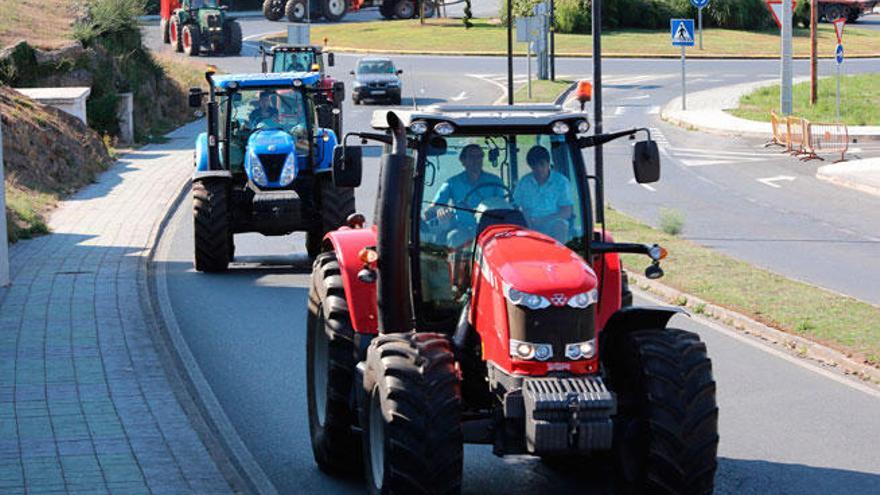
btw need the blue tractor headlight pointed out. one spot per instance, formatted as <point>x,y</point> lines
<point>288,173</point>
<point>257,173</point>
<point>519,298</point>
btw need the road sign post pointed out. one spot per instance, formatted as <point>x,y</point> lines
<point>838,55</point>
<point>682,34</point>
<point>700,4</point>
<point>782,14</point>
<point>4,249</point>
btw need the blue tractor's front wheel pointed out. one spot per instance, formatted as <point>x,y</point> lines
<point>212,225</point>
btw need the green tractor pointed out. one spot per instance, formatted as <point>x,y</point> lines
<point>193,26</point>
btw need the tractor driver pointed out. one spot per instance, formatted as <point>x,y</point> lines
<point>265,110</point>
<point>544,196</point>
<point>458,197</point>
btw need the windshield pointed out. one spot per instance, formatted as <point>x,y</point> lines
<point>255,110</point>
<point>293,62</point>
<point>473,182</point>
<point>200,4</point>
<point>375,67</point>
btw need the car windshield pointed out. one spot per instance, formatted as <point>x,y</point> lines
<point>254,110</point>
<point>293,62</point>
<point>472,182</point>
<point>375,67</point>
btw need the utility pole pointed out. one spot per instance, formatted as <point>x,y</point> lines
<point>509,52</point>
<point>814,69</point>
<point>785,93</point>
<point>552,40</point>
<point>597,106</point>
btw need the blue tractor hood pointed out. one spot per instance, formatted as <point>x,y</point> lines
<point>271,141</point>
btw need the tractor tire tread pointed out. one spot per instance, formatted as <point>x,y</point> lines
<point>212,229</point>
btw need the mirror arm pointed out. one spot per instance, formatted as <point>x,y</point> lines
<point>596,140</point>
<point>600,247</point>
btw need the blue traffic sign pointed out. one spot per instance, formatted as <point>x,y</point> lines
<point>839,54</point>
<point>699,3</point>
<point>682,31</point>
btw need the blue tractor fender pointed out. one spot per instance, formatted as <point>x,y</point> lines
<point>201,153</point>
<point>326,143</point>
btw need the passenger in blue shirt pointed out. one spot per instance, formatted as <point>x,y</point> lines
<point>544,196</point>
<point>464,192</point>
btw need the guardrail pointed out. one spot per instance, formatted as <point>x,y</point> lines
<point>806,139</point>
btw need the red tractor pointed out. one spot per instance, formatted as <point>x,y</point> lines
<point>484,306</point>
<point>196,26</point>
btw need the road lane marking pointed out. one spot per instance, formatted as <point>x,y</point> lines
<point>649,187</point>
<point>461,96</point>
<point>772,181</point>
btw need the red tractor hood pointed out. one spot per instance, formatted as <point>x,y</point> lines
<point>532,262</point>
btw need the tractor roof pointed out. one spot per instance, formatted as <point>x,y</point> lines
<point>475,116</point>
<point>271,79</point>
<point>295,48</point>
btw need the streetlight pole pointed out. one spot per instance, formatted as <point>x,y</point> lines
<point>597,107</point>
<point>509,52</point>
<point>4,249</point>
<point>814,69</point>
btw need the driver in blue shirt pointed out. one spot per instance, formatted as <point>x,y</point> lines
<point>462,193</point>
<point>265,110</point>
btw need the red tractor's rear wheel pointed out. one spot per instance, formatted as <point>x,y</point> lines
<point>411,420</point>
<point>329,371</point>
<point>273,9</point>
<point>666,428</point>
<point>164,30</point>
<point>174,34</point>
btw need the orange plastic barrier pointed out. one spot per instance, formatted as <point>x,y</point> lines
<point>825,138</point>
<point>780,133</point>
<point>795,131</point>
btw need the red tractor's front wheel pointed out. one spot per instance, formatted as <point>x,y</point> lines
<point>330,370</point>
<point>666,427</point>
<point>411,418</point>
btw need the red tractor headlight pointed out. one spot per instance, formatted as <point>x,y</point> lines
<point>528,351</point>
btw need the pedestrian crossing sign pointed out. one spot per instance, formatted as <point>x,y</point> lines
<point>682,31</point>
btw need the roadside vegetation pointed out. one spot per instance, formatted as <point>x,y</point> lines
<point>448,36</point>
<point>859,101</point>
<point>44,23</point>
<point>542,91</point>
<point>841,322</point>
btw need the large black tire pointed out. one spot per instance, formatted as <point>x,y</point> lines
<point>666,427</point>
<point>232,41</point>
<point>430,9</point>
<point>405,9</point>
<point>411,420</point>
<point>273,9</point>
<point>174,36</point>
<point>192,42</point>
<point>212,224</point>
<point>834,12</point>
<point>163,28</point>
<point>386,8</point>
<point>330,365</point>
<point>295,10</point>
<point>335,204</point>
<point>334,10</point>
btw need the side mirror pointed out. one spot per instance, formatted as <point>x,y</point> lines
<point>338,93</point>
<point>331,60</point>
<point>351,72</point>
<point>399,71</point>
<point>195,98</point>
<point>646,162</point>
<point>347,166</point>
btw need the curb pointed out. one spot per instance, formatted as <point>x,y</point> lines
<point>246,468</point>
<point>844,182</point>
<point>821,355</point>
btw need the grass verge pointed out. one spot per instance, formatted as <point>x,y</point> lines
<point>859,101</point>
<point>448,36</point>
<point>841,322</point>
<point>44,23</point>
<point>542,91</point>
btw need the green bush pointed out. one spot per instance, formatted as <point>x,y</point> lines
<point>109,19</point>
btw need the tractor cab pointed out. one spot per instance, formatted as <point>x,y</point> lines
<point>194,26</point>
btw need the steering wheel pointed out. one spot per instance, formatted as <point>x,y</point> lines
<point>508,194</point>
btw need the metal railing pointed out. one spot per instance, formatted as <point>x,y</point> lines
<point>806,139</point>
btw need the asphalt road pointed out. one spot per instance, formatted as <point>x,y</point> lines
<point>785,427</point>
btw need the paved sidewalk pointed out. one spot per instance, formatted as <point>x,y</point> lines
<point>862,175</point>
<point>85,403</point>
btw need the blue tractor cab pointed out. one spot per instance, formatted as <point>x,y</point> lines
<point>264,164</point>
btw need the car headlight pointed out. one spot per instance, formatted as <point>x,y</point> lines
<point>584,299</point>
<point>288,173</point>
<point>393,84</point>
<point>259,176</point>
<point>581,350</point>
<point>520,298</point>
<point>529,351</point>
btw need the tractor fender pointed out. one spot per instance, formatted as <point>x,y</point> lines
<point>324,152</point>
<point>360,296</point>
<point>633,318</point>
<point>201,153</point>
<point>200,175</point>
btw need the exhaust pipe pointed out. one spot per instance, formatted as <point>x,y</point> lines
<point>392,217</point>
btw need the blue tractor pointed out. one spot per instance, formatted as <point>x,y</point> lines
<point>265,165</point>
